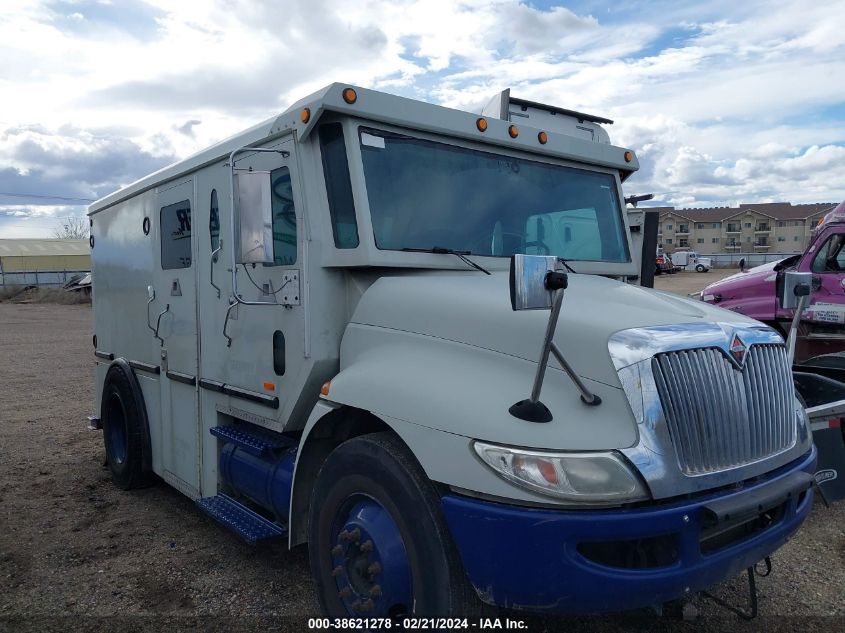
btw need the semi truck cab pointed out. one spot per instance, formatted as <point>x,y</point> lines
<point>320,330</point>
<point>755,292</point>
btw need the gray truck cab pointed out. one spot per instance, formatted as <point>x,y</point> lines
<point>307,328</point>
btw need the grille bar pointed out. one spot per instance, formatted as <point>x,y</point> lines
<point>721,417</point>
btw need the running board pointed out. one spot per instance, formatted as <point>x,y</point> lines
<point>250,439</point>
<point>249,525</point>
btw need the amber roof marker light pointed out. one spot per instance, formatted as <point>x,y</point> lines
<point>629,156</point>
<point>543,138</point>
<point>349,95</point>
<point>513,131</point>
<point>481,124</point>
<point>305,115</point>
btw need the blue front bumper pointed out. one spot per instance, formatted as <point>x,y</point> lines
<point>530,559</point>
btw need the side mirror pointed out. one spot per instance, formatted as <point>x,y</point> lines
<point>742,265</point>
<point>254,241</point>
<point>795,285</point>
<point>528,282</point>
<point>151,293</point>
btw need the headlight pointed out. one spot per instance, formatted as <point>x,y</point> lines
<point>597,478</point>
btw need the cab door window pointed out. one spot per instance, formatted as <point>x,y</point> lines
<point>284,217</point>
<point>831,256</point>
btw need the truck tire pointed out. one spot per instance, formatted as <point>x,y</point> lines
<point>121,414</point>
<point>700,268</point>
<point>378,542</point>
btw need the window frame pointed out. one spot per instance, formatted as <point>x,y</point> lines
<point>499,151</point>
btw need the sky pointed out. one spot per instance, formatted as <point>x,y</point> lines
<point>723,101</point>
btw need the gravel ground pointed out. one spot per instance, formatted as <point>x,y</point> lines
<point>685,282</point>
<point>78,554</point>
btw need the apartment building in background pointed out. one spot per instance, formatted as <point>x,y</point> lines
<point>776,227</point>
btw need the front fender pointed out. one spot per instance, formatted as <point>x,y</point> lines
<point>446,458</point>
<point>467,390</point>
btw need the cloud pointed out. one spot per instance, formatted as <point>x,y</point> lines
<point>69,163</point>
<point>721,100</point>
<point>187,128</point>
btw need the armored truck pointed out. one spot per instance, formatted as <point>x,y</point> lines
<point>414,338</point>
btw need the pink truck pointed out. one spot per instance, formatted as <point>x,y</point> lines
<point>755,292</point>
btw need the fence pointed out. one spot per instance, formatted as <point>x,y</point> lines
<point>39,277</point>
<point>731,260</point>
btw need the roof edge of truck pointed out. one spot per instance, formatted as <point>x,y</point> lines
<point>384,108</point>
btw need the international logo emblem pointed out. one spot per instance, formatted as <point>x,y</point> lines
<point>738,350</point>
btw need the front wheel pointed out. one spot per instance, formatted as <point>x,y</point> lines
<point>700,268</point>
<point>378,542</point>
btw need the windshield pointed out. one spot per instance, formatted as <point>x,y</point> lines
<point>424,194</point>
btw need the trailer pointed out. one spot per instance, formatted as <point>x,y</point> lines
<point>359,325</point>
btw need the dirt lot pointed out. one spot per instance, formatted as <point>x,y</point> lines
<point>685,282</point>
<point>78,554</point>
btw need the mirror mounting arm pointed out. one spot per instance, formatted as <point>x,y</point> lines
<point>235,294</point>
<point>532,410</point>
<point>284,154</point>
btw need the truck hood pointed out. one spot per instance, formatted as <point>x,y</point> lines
<point>742,280</point>
<point>474,309</point>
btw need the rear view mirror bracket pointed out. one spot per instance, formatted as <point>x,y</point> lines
<point>535,284</point>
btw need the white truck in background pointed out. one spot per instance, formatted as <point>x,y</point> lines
<point>690,260</point>
<point>307,329</point>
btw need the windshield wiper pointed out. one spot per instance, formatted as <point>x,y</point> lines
<point>462,255</point>
<point>565,264</point>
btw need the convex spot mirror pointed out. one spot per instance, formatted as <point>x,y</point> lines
<point>795,285</point>
<point>254,218</point>
<point>528,281</point>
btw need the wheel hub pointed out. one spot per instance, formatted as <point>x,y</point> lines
<point>116,431</point>
<point>369,561</point>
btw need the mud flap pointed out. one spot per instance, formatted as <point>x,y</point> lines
<point>830,474</point>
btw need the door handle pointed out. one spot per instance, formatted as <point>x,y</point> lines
<point>158,323</point>
<point>152,295</point>
<point>213,260</point>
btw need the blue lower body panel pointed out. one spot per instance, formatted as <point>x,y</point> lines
<point>546,561</point>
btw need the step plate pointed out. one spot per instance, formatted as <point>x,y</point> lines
<point>255,442</point>
<point>249,525</point>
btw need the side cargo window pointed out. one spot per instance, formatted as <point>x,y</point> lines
<point>175,222</point>
<point>214,221</point>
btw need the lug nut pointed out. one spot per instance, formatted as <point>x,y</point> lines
<point>344,536</point>
<point>337,550</point>
<point>374,569</point>
<point>375,592</point>
<point>367,605</point>
<point>355,535</point>
<point>367,546</point>
<point>337,571</point>
<point>356,606</point>
<point>345,592</point>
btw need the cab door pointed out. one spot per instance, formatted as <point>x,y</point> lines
<point>253,364</point>
<point>176,320</point>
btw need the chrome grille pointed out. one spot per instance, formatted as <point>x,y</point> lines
<point>721,417</point>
